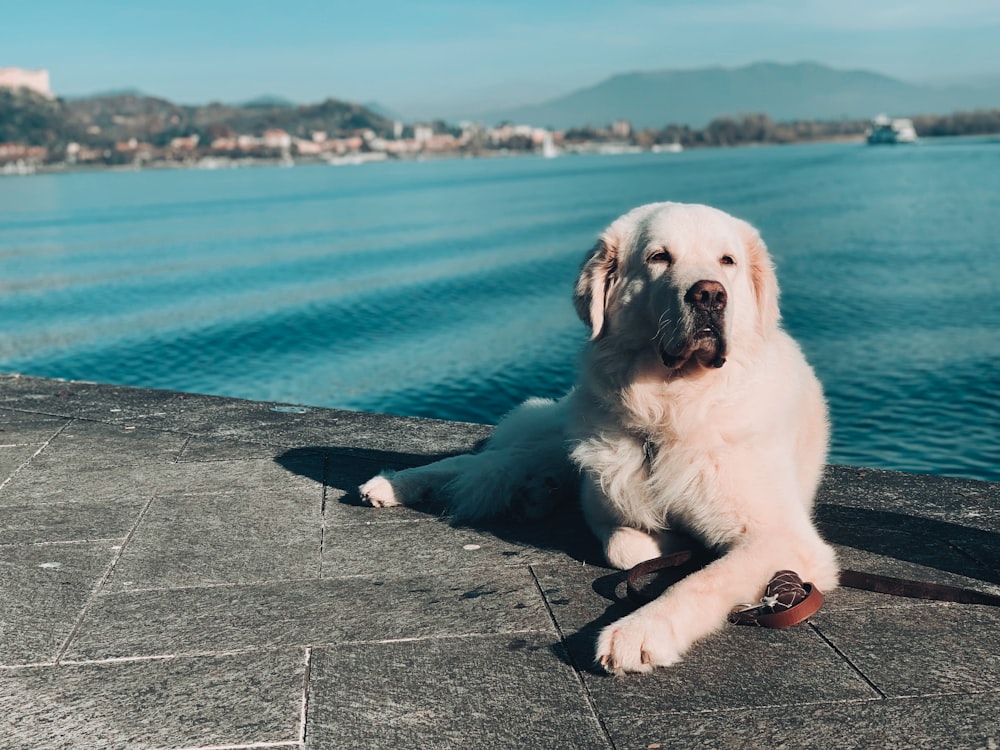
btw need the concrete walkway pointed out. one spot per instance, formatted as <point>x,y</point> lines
<point>182,571</point>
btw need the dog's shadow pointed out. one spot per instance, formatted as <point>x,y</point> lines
<point>563,530</point>
<point>928,542</point>
<point>344,469</point>
<point>931,543</point>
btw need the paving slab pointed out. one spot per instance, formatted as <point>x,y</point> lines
<point>917,724</point>
<point>498,691</point>
<point>391,605</point>
<point>22,428</point>
<point>921,649</point>
<point>356,433</point>
<point>75,482</point>
<point>84,444</point>
<point>911,500</point>
<point>191,540</point>
<point>105,403</point>
<point>13,457</point>
<point>68,522</point>
<point>218,449</point>
<point>213,701</point>
<point>43,591</point>
<point>434,545</point>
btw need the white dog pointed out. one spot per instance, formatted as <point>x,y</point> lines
<point>693,410</point>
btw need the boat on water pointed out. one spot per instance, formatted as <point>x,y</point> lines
<point>888,130</point>
<point>354,159</point>
<point>669,148</point>
<point>549,148</point>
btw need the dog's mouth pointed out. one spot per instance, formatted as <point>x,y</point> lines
<point>704,346</point>
<point>707,332</point>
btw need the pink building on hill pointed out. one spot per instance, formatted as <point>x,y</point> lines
<point>35,80</point>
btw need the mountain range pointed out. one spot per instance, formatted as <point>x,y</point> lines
<point>691,98</point>
<point>801,91</point>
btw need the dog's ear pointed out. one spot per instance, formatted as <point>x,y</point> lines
<point>597,275</point>
<point>762,278</point>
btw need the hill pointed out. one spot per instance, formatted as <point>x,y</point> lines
<point>803,91</point>
<point>101,121</point>
<point>35,120</point>
<point>155,120</point>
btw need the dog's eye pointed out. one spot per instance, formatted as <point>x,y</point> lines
<point>661,256</point>
<point>728,260</point>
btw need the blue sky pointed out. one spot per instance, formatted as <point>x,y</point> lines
<point>446,57</point>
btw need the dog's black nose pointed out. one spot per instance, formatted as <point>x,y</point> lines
<point>709,296</point>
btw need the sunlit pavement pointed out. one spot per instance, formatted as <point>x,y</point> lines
<point>186,571</point>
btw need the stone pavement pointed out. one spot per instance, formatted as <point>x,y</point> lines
<point>184,571</point>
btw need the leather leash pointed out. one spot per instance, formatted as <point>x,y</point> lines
<point>787,601</point>
<point>856,579</point>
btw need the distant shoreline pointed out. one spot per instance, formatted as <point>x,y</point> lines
<point>214,163</point>
<point>47,135</point>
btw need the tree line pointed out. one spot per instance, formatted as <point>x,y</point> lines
<point>760,128</point>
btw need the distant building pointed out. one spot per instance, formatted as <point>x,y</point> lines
<point>440,142</point>
<point>15,151</point>
<point>247,142</point>
<point>34,80</point>
<point>422,133</point>
<point>277,138</point>
<point>621,129</point>
<point>224,144</point>
<point>187,143</point>
<point>308,148</point>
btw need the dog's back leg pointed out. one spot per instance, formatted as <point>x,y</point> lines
<point>413,486</point>
<point>524,468</point>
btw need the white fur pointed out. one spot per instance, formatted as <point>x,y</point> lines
<point>731,454</point>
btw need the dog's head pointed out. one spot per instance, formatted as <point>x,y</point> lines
<point>689,282</point>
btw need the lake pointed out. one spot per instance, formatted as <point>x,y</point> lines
<point>442,288</point>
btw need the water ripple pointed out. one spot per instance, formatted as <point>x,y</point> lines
<point>443,288</point>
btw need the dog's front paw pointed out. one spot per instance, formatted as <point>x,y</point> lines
<point>637,643</point>
<point>379,492</point>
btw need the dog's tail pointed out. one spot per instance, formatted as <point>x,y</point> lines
<point>524,470</point>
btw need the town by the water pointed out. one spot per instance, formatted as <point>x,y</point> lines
<point>41,132</point>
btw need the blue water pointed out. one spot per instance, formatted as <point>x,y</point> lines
<point>442,288</point>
